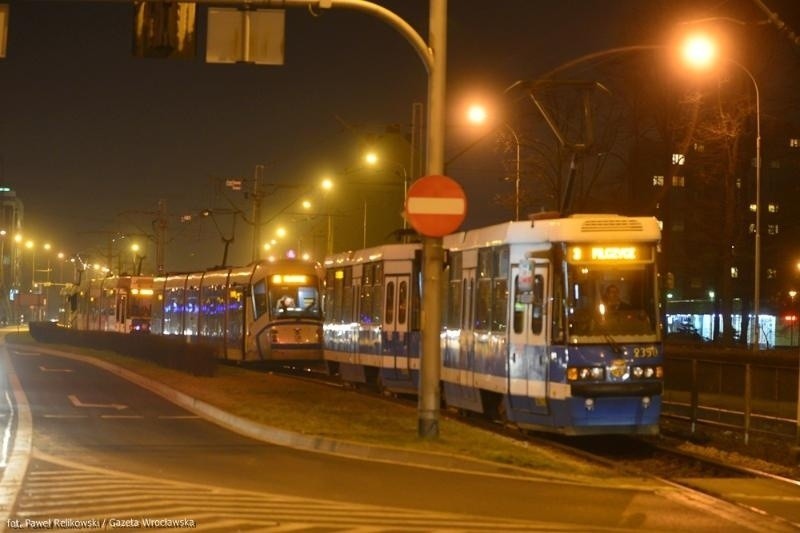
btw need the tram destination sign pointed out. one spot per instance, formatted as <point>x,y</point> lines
<point>610,253</point>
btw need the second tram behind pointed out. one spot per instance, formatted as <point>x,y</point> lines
<point>263,312</point>
<point>530,334</point>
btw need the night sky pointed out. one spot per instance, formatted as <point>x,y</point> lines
<point>91,138</point>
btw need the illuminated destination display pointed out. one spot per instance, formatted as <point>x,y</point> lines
<point>289,278</point>
<point>597,253</point>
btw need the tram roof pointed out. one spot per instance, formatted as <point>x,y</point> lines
<point>575,228</point>
<point>386,252</point>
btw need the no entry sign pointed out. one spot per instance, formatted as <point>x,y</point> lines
<point>436,205</point>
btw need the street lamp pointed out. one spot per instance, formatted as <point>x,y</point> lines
<point>31,246</point>
<point>327,185</point>
<point>2,259</point>
<point>699,52</point>
<point>792,294</point>
<point>477,115</point>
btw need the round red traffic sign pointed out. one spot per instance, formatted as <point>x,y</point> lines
<point>436,205</point>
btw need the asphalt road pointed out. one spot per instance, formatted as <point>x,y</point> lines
<point>105,448</point>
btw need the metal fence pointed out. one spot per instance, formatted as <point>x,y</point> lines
<point>743,391</point>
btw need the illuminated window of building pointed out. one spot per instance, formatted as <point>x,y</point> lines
<point>752,228</point>
<point>678,159</point>
<point>734,272</point>
<point>678,181</point>
<point>772,229</point>
<point>772,273</point>
<point>738,183</point>
<point>753,208</point>
<point>698,147</point>
<point>658,181</point>
<point>794,143</point>
<point>773,208</point>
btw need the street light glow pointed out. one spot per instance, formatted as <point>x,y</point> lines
<point>327,184</point>
<point>699,51</point>
<point>371,158</point>
<point>477,114</point>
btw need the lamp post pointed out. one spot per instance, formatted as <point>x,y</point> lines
<point>31,246</point>
<point>327,185</point>
<point>477,115</point>
<point>792,294</point>
<point>372,159</point>
<point>2,259</point>
<point>699,51</point>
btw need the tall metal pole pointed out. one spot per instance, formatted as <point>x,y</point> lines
<point>516,176</point>
<point>257,211</point>
<point>756,341</point>
<point>433,255</point>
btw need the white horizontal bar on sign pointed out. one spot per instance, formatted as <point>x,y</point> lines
<point>435,206</point>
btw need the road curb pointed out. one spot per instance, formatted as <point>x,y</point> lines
<point>314,443</point>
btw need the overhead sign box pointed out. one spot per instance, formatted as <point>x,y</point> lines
<point>164,29</point>
<point>245,36</point>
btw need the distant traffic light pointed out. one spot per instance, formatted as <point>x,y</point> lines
<point>164,29</point>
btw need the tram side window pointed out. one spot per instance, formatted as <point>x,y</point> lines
<point>340,301</point>
<point>500,264</point>
<point>389,310</point>
<point>483,305</point>
<point>454,304</point>
<point>330,281</point>
<point>557,325</point>
<point>499,305</point>
<point>365,304</point>
<point>402,302</point>
<point>260,298</point>
<point>467,308</point>
<point>537,309</point>
<point>454,294</point>
<point>519,307</point>
<point>377,303</point>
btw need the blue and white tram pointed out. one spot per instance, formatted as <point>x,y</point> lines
<point>263,312</point>
<point>372,315</point>
<point>527,336</point>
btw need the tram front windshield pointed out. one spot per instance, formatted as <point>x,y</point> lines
<point>607,300</point>
<point>294,301</point>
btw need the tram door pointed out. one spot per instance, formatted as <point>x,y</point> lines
<point>527,354</point>
<point>396,317</point>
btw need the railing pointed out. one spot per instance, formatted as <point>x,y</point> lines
<point>740,391</point>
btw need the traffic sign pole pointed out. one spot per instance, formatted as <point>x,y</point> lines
<point>431,357</point>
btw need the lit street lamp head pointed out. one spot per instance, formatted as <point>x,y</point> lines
<point>699,52</point>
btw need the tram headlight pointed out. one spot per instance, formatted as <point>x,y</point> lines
<point>584,373</point>
<point>648,372</point>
